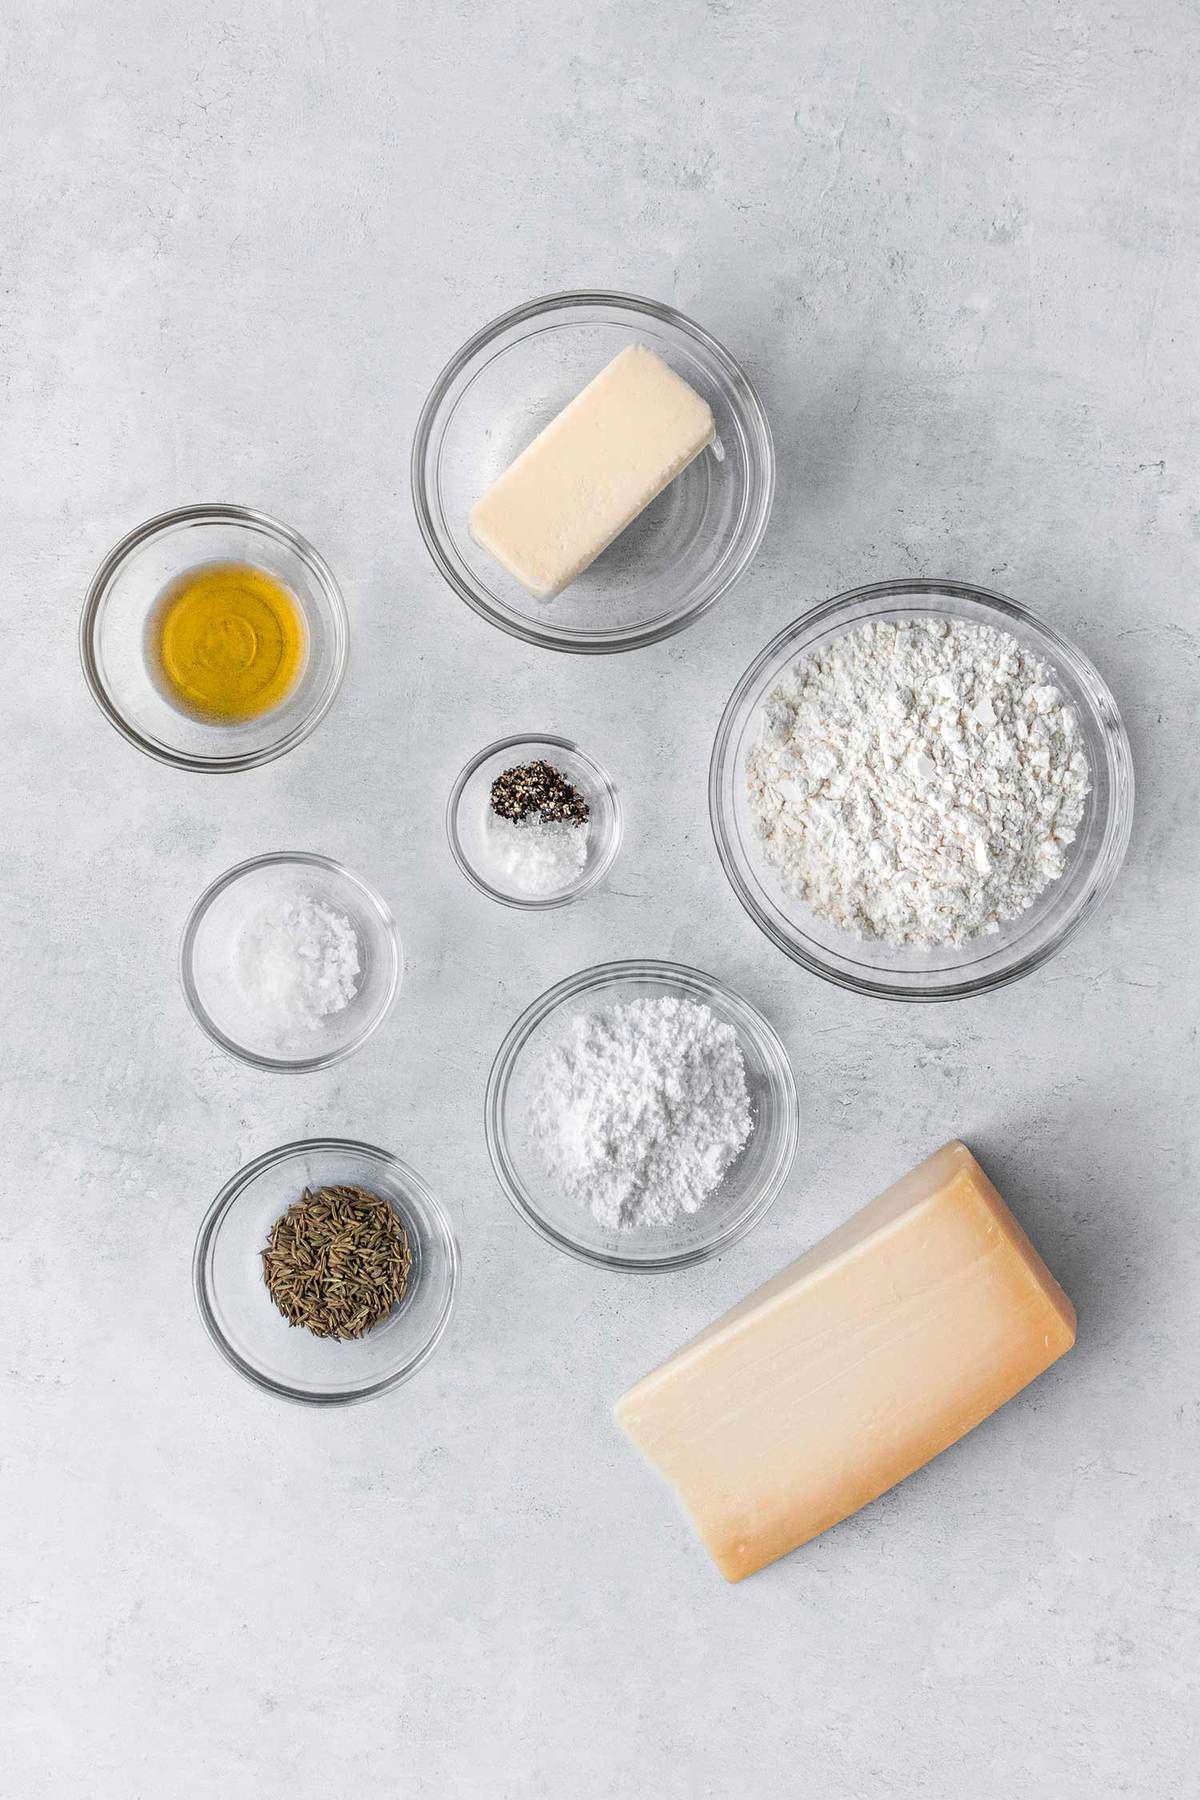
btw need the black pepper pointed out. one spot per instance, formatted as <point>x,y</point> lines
<point>538,787</point>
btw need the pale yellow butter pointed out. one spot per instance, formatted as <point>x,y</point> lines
<point>594,468</point>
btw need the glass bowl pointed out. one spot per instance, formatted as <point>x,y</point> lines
<point>749,1186</point>
<point>910,973</point>
<point>671,564</point>
<point>121,599</point>
<point>469,808</point>
<point>242,1319</point>
<point>207,961</point>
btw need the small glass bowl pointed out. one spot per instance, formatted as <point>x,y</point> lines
<point>671,564</point>
<point>468,813</point>
<point>208,972</point>
<point>244,1322</point>
<point>949,972</point>
<point>749,1187</point>
<point>122,596</point>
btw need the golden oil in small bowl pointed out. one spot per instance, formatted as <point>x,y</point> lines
<point>214,638</point>
<point>226,642</point>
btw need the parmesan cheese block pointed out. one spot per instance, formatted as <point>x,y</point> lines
<point>594,468</point>
<point>881,1346</point>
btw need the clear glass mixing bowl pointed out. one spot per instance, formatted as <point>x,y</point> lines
<point>909,973</point>
<point>208,967</point>
<point>112,636</point>
<point>673,562</point>
<point>749,1186</point>
<point>244,1322</point>
<point>468,808</point>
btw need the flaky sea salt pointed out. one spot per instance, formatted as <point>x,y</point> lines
<point>297,962</point>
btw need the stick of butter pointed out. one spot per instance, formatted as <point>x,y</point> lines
<point>594,468</point>
<point>885,1344</point>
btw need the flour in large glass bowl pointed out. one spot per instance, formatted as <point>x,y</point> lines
<point>918,782</point>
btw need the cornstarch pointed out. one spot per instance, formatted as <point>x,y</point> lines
<point>641,1110</point>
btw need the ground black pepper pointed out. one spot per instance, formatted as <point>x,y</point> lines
<point>538,787</point>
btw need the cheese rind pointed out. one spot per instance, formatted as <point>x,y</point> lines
<point>607,455</point>
<point>879,1348</point>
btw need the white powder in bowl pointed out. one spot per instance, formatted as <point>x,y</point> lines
<point>297,962</point>
<point>640,1111</point>
<point>918,782</point>
<point>537,855</point>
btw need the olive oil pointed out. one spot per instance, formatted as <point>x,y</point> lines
<point>226,642</point>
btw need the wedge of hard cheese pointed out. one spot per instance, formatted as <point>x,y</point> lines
<point>633,429</point>
<point>880,1347</point>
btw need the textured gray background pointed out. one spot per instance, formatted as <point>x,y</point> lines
<point>959,257</point>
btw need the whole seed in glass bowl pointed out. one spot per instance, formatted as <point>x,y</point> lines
<point>337,1262</point>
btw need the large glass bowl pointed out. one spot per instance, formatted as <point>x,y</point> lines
<point>242,1319</point>
<point>953,972</point>
<point>678,557</point>
<point>121,600</point>
<point>749,1186</point>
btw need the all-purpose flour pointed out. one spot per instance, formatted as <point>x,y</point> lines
<point>640,1111</point>
<point>918,783</point>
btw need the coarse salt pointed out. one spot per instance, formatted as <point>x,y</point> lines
<point>537,855</point>
<point>297,962</point>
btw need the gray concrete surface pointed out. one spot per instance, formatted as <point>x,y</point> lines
<point>957,248</point>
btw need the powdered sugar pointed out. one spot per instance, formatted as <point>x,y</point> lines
<point>918,782</point>
<point>641,1110</point>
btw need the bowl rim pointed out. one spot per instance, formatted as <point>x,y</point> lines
<point>187,943</point>
<point>1118,822</point>
<point>696,984</point>
<point>563,638</point>
<point>533,902</point>
<point>212,512</point>
<point>223,1203</point>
